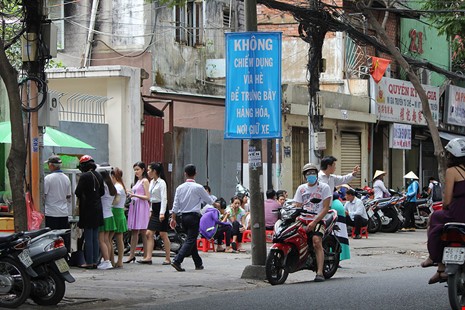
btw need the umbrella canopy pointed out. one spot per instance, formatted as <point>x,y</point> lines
<point>52,137</point>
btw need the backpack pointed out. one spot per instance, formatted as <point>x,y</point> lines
<point>436,192</point>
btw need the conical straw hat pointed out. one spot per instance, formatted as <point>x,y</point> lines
<point>378,173</point>
<point>410,175</point>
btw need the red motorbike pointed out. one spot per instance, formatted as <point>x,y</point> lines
<point>292,251</point>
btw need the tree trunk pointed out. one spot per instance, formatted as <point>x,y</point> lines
<point>438,149</point>
<point>16,161</point>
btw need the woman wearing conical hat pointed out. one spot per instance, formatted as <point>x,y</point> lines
<point>380,191</point>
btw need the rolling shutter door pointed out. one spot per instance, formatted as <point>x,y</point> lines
<point>351,155</point>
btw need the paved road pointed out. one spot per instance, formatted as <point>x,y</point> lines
<point>390,258</point>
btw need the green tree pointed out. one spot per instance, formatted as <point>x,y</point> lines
<point>11,14</point>
<point>449,18</point>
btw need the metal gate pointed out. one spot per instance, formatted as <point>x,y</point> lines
<point>217,160</point>
<point>299,155</point>
<point>152,139</point>
<point>351,155</point>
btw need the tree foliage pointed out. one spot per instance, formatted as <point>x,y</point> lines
<point>449,18</point>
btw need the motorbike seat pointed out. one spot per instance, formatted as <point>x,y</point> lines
<point>421,201</point>
<point>455,225</point>
<point>34,233</point>
<point>5,239</point>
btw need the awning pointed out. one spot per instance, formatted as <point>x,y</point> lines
<point>449,136</point>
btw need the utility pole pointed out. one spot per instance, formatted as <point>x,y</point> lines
<point>34,69</point>
<point>257,269</point>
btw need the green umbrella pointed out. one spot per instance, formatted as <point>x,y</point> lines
<point>52,137</point>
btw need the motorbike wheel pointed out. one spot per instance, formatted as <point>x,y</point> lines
<point>393,225</point>
<point>374,223</point>
<point>177,242</point>
<point>456,290</point>
<point>423,215</point>
<point>58,288</point>
<point>276,271</point>
<point>15,284</point>
<point>332,249</point>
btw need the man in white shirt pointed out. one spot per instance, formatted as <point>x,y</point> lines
<point>358,217</point>
<point>327,169</point>
<point>303,199</point>
<point>187,203</point>
<point>57,196</point>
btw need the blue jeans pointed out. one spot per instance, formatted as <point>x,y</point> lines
<point>190,224</point>
<point>91,247</point>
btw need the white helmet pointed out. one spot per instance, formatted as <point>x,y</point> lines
<point>456,147</point>
<point>309,166</point>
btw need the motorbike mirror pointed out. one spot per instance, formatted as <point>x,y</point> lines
<point>315,200</point>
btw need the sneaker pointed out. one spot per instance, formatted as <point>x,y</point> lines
<point>105,265</point>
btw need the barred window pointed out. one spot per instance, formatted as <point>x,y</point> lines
<point>189,23</point>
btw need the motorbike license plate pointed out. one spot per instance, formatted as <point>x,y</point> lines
<point>62,265</point>
<point>25,258</point>
<point>370,213</point>
<point>453,255</point>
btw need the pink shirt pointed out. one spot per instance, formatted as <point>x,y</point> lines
<point>270,217</point>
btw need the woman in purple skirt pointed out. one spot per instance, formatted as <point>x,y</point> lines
<point>453,209</point>
<point>139,210</point>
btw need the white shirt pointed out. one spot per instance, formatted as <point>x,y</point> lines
<point>305,193</point>
<point>334,180</point>
<point>122,194</point>
<point>56,187</point>
<point>107,201</point>
<point>189,197</point>
<point>158,193</point>
<point>379,189</point>
<point>356,207</point>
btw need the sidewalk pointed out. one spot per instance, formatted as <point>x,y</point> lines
<point>156,284</point>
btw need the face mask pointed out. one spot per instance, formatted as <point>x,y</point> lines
<point>312,179</point>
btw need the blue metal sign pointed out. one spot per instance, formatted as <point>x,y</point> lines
<point>253,85</point>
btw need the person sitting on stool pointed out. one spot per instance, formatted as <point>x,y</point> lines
<point>358,217</point>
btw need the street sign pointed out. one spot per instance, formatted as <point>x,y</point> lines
<point>253,85</point>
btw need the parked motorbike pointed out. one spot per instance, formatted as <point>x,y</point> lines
<point>374,215</point>
<point>422,212</point>
<point>454,258</point>
<point>48,252</point>
<point>15,270</point>
<point>392,219</point>
<point>177,237</point>
<point>292,251</point>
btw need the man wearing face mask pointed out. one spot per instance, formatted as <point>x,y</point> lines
<point>303,196</point>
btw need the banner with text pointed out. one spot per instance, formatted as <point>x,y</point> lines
<point>455,105</point>
<point>253,85</point>
<point>398,101</point>
<point>400,136</point>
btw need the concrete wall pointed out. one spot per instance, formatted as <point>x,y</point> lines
<point>123,111</point>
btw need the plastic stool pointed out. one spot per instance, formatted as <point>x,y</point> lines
<point>205,245</point>
<point>363,232</point>
<point>269,235</point>
<point>247,236</point>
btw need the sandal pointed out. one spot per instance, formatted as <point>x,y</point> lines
<point>428,263</point>
<point>440,276</point>
<point>230,251</point>
<point>220,250</point>
<point>241,250</point>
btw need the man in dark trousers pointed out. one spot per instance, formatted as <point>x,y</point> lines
<point>187,203</point>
